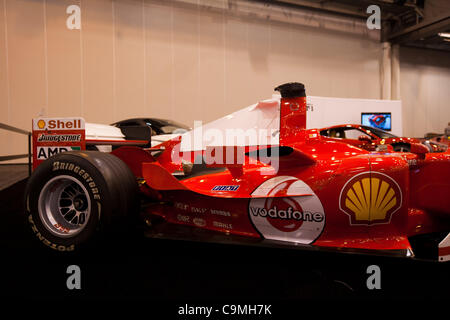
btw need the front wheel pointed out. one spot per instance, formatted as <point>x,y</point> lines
<point>73,196</point>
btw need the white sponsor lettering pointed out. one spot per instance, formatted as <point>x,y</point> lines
<point>58,124</point>
<point>59,138</point>
<point>46,152</point>
<point>222,225</point>
<point>221,213</point>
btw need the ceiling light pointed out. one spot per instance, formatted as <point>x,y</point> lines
<point>444,34</point>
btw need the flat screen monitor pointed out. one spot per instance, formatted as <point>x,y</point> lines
<point>380,120</point>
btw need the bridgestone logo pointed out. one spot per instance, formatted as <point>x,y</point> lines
<point>59,138</point>
<point>288,214</point>
<point>81,172</point>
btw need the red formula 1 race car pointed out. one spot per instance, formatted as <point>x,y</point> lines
<point>255,174</point>
<point>369,138</point>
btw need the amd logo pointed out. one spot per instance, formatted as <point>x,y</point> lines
<point>46,152</point>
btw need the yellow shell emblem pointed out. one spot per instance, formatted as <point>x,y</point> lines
<point>370,198</point>
<point>41,124</point>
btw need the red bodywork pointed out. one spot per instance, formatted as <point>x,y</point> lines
<point>442,139</point>
<point>322,192</point>
<point>368,144</point>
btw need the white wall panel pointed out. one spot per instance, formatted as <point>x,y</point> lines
<point>425,84</point>
<point>334,111</point>
<point>193,60</point>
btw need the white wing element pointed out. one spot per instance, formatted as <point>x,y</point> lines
<point>157,139</point>
<point>444,249</point>
<point>258,124</point>
<point>96,131</point>
<point>102,132</point>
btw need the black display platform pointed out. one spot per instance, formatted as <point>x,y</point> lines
<point>178,272</point>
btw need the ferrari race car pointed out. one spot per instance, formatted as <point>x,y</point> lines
<point>255,174</point>
<point>368,138</point>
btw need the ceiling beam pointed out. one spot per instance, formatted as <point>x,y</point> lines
<point>422,30</point>
<point>323,6</point>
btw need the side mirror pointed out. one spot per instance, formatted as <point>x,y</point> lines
<point>419,149</point>
<point>364,138</point>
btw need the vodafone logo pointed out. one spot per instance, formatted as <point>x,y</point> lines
<point>288,210</point>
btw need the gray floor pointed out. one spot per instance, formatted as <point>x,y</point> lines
<point>12,173</point>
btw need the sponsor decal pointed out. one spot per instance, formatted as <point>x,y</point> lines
<point>46,152</point>
<point>56,135</point>
<point>199,222</point>
<point>188,208</point>
<point>80,172</point>
<point>61,228</point>
<point>183,218</point>
<point>288,214</point>
<point>45,241</point>
<point>297,218</point>
<point>59,137</point>
<point>222,225</point>
<point>370,198</point>
<point>181,206</point>
<point>58,124</point>
<point>198,210</point>
<point>221,213</point>
<point>226,188</point>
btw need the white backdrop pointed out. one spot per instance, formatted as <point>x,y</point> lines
<point>237,128</point>
<point>333,111</point>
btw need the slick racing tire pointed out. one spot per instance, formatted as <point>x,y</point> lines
<point>74,196</point>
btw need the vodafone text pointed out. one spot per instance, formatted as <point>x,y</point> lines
<point>290,213</point>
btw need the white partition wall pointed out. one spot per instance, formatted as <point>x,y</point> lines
<point>324,112</point>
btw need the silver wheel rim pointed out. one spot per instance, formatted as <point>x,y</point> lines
<point>64,206</point>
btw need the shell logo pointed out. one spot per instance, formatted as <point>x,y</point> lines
<point>41,124</point>
<point>370,198</point>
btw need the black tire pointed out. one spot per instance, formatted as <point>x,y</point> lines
<point>401,147</point>
<point>85,192</point>
<point>92,147</point>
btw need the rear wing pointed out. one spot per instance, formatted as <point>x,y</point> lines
<point>55,135</point>
<point>51,136</point>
